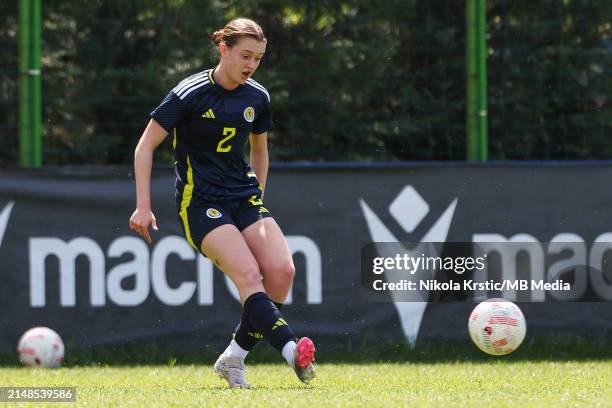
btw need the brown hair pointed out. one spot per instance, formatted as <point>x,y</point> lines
<point>236,29</point>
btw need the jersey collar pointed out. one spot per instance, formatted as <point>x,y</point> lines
<point>215,84</point>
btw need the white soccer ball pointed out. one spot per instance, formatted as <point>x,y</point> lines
<point>41,346</point>
<point>497,326</point>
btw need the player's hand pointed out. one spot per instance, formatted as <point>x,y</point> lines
<point>140,221</point>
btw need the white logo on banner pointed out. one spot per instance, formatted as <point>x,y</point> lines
<point>147,266</point>
<point>409,209</point>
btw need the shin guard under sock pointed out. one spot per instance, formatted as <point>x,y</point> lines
<point>265,317</point>
<point>246,335</point>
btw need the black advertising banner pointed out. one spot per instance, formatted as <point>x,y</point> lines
<point>68,259</point>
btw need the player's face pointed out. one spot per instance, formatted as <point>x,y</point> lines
<point>243,58</point>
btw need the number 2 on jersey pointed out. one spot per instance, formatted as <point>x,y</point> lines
<point>228,132</point>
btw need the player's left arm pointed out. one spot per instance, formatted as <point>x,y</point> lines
<point>259,157</point>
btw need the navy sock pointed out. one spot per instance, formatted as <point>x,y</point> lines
<point>265,317</point>
<point>246,335</point>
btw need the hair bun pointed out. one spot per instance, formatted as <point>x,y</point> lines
<point>217,36</point>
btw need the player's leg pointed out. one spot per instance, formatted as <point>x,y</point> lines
<point>209,227</point>
<point>246,212</point>
<point>269,246</point>
<point>226,247</point>
<point>203,219</point>
<point>266,241</point>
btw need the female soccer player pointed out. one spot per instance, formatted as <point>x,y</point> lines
<point>219,197</point>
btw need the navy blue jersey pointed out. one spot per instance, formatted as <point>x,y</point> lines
<point>210,126</point>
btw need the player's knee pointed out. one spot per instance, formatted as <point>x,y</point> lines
<point>249,276</point>
<point>284,271</point>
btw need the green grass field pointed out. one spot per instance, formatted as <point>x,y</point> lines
<point>499,382</point>
<point>573,371</point>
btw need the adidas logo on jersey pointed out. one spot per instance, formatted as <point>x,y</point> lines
<point>209,114</point>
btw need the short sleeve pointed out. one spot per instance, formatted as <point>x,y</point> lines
<point>263,120</point>
<point>169,112</point>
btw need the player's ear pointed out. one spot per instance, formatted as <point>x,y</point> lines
<point>223,49</point>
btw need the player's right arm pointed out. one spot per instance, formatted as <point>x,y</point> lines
<point>163,119</point>
<point>143,216</point>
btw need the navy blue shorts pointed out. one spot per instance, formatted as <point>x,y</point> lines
<point>198,217</point>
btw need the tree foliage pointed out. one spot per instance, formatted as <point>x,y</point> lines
<point>351,80</point>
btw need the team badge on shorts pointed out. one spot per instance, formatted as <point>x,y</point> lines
<point>213,213</point>
<point>249,114</point>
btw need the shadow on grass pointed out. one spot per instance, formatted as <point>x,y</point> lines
<point>541,348</point>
